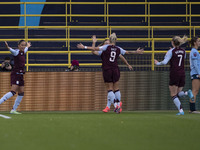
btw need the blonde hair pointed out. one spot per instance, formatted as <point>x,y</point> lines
<point>179,41</point>
<point>113,38</point>
<point>103,42</point>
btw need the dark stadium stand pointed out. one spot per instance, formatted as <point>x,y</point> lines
<point>98,9</point>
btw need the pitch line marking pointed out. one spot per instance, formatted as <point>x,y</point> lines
<point>6,117</point>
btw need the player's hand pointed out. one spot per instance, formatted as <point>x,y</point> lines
<point>155,61</point>
<point>199,76</point>
<point>80,46</point>
<point>94,39</point>
<point>28,44</point>
<point>139,51</point>
<point>130,67</point>
<point>7,45</point>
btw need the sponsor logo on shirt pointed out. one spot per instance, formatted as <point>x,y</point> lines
<point>113,49</point>
<point>180,51</point>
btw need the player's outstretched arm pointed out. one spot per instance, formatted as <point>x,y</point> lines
<point>126,62</point>
<point>155,62</point>
<point>27,46</point>
<point>166,59</point>
<point>81,46</point>
<point>7,45</point>
<point>94,40</point>
<point>14,52</point>
<point>138,51</point>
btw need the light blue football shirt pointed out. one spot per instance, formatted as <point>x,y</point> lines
<point>194,62</point>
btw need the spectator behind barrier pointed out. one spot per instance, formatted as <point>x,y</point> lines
<point>74,66</point>
<point>6,64</point>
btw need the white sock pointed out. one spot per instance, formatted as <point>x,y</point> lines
<point>177,103</point>
<point>108,103</point>
<point>181,110</point>
<point>6,96</point>
<point>111,97</point>
<point>182,93</point>
<point>17,102</point>
<point>118,96</point>
<point>115,104</point>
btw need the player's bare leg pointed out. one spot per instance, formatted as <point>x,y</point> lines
<point>195,91</point>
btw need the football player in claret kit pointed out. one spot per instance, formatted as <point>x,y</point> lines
<point>176,56</point>
<point>117,93</point>
<point>17,80</point>
<point>110,69</point>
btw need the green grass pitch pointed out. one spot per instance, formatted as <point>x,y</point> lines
<point>98,131</point>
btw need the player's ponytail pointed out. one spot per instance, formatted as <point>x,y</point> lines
<point>183,40</point>
<point>193,40</point>
<point>113,38</point>
<point>178,41</point>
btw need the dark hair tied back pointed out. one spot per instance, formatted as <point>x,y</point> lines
<point>193,40</point>
<point>21,42</point>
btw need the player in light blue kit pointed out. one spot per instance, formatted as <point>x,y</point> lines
<point>195,71</point>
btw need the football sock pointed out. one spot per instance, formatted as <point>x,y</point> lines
<point>108,103</point>
<point>18,100</point>
<point>111,96</point>
<point>181,94</point>
<point>116,102</point>
<point>177,103</point>
<point>7,96</point>
<point>192,107</point>
<point>115,105</point>
<point>118,96</point>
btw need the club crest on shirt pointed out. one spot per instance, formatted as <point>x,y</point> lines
<point>195,54</point>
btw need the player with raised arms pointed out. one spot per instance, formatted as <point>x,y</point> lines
<point>98,53</point>
<point>111,74</point>
<point>17,80</point>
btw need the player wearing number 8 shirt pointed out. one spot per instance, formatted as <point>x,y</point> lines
<point>111,73</point>
<point>176,56</point>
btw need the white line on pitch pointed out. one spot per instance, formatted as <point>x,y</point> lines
<point>6,117</point>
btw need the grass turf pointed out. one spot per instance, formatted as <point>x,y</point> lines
<point>97,131</point>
